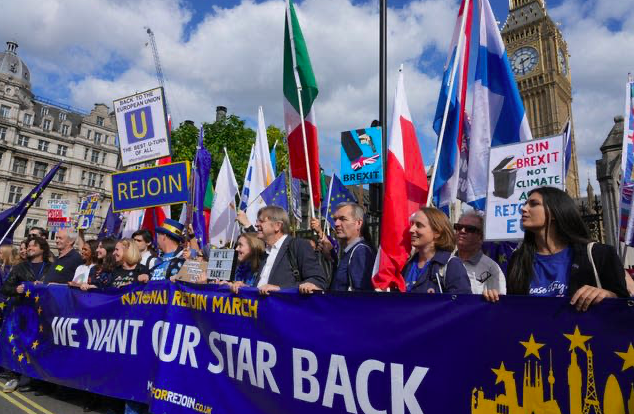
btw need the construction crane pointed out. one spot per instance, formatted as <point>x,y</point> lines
<point>157,65</point>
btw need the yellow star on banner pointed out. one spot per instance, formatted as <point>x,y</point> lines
<point>28,293</point>
<point>20,357</point>
<point>35,344</point>
<point>14,350</point>
<point>532,347</point>
<point>37,298</point>
<point>1,305</point>
<point>39,310</point>
<point>41,328</point>
<point>628,357</point>
<point>501,373</point>
<point>577,340</point>
<point>194,209</point>
<point>501,259</point>
<point>11,338</point>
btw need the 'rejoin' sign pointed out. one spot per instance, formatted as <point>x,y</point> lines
<point>150,187</point>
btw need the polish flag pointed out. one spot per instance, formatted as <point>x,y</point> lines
<point>405,192</point>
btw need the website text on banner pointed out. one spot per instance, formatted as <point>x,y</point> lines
<point>150,187</point>
<point>514,170</point>
<point>197,348</point>
<point>142,127</point>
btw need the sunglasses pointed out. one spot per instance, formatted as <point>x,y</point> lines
<point>466,227</point>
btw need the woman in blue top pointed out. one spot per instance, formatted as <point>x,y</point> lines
<point>556,258</point>
<point>433,269</point>
<point>250,251</point>
<point>101,275</point>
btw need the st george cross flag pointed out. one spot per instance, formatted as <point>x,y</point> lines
<point>405,191</point>
<point>262,174</point>
<point>223,212</point>
<point>498,116</point>
<point>337,193</point>
<point>202,168</point>
<point>11,218</point>
<point>298,73</point>
<point>453,93</point>
<point>275,194</point>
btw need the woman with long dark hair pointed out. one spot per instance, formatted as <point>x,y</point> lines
<point>557,258</point>
<point>89,256</point>
<point>100,276</point>
<point>251,253</point>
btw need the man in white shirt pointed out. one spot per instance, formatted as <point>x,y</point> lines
<point>290,261</point>
<point>483,272</point>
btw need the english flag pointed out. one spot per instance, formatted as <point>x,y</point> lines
<point>405,191</point>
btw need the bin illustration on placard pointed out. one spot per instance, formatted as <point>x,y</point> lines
<point>504,179</point>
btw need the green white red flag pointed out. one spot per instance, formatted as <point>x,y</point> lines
<point>298,73</point>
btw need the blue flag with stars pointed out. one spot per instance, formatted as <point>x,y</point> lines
<point>337,194</point>
<point>275,193</point>
<point>10,219</point>
<point>111,226</point>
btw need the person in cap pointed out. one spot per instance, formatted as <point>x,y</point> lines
<point>170,260</point>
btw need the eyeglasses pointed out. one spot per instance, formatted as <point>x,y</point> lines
<point>467,228</point>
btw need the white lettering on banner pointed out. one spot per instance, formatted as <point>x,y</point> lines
<point>113,334</point>
<point>191,338</point>
<point>338,382</point>
<point>63,331</point>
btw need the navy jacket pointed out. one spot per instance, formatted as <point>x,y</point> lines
<point>282,272</point>
<point>356,269</point>
<point>455,280</point>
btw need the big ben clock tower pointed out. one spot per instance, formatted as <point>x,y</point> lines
<point>538,55</point>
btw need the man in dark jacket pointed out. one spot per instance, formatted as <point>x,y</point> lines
<point>290,261</point>
<point>32,270</point>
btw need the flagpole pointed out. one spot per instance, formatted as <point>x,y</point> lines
<point>301,115</point>
<point>454,68</point>
<point>16,221</point>
<point>290,188</point>
<point>332,179</point>
<point>383,94</point>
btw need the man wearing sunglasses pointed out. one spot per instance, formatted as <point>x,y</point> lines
<point>483,272</point>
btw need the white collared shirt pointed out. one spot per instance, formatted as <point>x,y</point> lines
<point>268,265</point>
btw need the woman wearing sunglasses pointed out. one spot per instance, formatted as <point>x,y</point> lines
<point>557,258</point>
<point>433,268</point>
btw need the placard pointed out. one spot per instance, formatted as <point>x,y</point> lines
<point>142,126</point>
<point>87,208</point>
<point>58,215</point>
<point>514,170</point>
<point>361,156</point>
<point>191,271</point>
<point>150,187</point>
<point>222,264</point>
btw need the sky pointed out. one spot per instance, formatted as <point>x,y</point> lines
<point>229,52</point>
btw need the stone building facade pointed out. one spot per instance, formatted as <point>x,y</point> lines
<point>36,134</point>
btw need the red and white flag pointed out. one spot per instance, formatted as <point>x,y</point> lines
<point>405,191</point>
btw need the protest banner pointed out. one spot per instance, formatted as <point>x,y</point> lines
<point>222,264</point>
<point>58,215</point>
<point>150,187</point>
<point>185,348</point>
<point>514,170</point>
<point>361,156</point>
<point>87,208</point>
<point>142,127</point>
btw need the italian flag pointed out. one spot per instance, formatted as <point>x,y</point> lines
<point>298,73</point>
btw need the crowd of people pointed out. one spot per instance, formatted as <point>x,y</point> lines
<point>556,258</point>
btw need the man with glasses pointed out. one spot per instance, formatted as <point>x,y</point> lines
<point>484,273</point>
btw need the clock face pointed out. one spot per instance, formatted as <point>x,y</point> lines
<point>561,57</point>
<point>524,60</point>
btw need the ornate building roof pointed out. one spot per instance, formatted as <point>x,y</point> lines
<point>12,67</point>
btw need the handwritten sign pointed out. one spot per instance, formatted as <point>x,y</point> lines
<point>191,271</point>
<point>514,170</point>
<point>222,264</point>
<point>87,208</point>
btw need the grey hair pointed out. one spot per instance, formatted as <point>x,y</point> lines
<point>71,233</point>
<point>276,213</point>
<point>475,214</point>
<point>357,210</point>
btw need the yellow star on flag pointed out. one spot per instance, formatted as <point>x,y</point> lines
<point>577,340</point>
<point>20,357</point>
<point>37,298</point>
<point>28,293</point>
<point>14,350</point>
<point>532,347</point>
<point>501,259</point>
<point>501,373</point>
<point>628,357</point>
<point>35,195</point>
<point>1,305</point>
<point>11,338</point>
<point>11,219</point>
<point>39,310</point>
<point>41,328</point>
<point>35,344</point>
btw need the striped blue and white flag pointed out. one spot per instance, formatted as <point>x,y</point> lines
<point>246,187</point>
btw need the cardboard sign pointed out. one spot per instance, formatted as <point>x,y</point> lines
<point>191,271</point>
<point>87,208</point>
<point>142,127</point>
<point>361,156</point>
<point>514,170</point>
<point>150,187</point>
<point>58,215</point>
<point>222,264</point>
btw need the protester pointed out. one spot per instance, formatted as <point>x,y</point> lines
<point>8,258</point>
<point>143,240</point>
<point>63,269</point>
<point>250,251</point>
<point>483,272</point>
<point>100,275</point>
<point>129,267</point>
<point>354,268</point>
<point>39,232</point>
<point>89,256</point>
<point>38,263</point>
<point>290,261</point>
<point>22,252</point>
<point>169,238</point>
<point>556,258</point>
<point>433,269</point>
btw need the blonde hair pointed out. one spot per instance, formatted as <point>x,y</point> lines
<point>440,224</point>
<point>131,253</point>
<point>257,250</point>
<point>9,255</point>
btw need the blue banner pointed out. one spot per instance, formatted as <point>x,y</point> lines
<point>150,187</point>
<point>191,348</point>
<point>361,156</point>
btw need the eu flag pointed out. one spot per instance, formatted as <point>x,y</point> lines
<point>275,193</point>
<point>11,218</point>
<point>202,167</point>
<point>337,194</point>
<point>111,226</point>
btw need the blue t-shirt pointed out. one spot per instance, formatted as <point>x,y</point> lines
<point>551,274</point>
<point>160,270</point>
<point>415,273</point>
